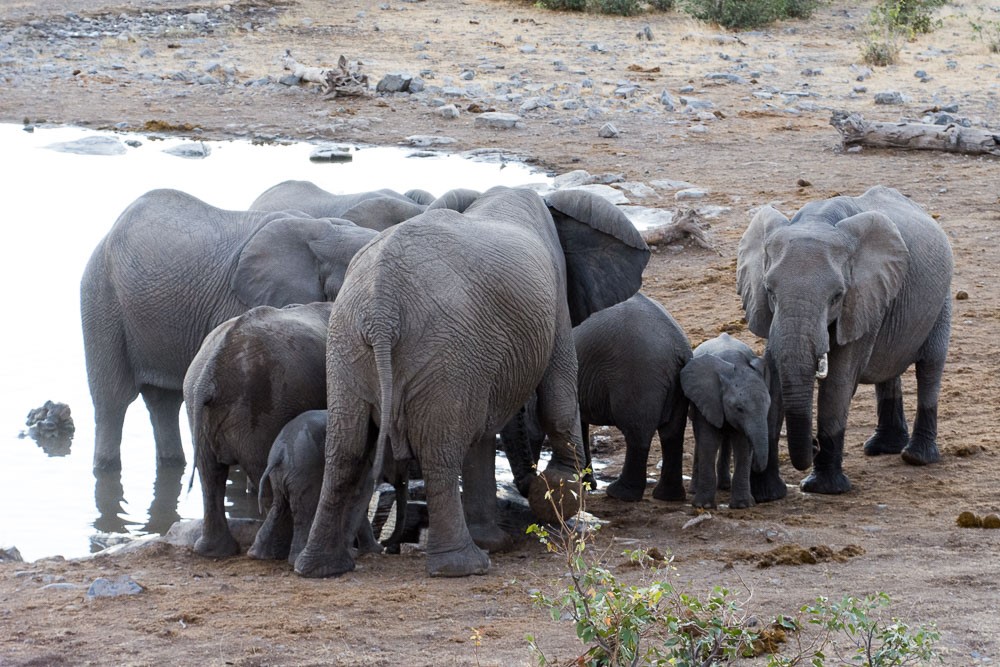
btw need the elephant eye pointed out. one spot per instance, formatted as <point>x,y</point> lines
<point>835,299</point>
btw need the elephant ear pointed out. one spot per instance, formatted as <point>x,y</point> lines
<point>877,267</point>
<point>605,254</point>
<point>702,382</point>
<point>421,197</point>
<point>334,251</point>
<point>458,199</point>
<point>751,260</point>
<point>380,213</point>
<point>278,266</point>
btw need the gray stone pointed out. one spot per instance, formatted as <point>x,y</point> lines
<point>626,90</point>
<point>889,97</point>
<point>424,140</point>
<point>687,194</point>
<point>694,104</point>
<point>186,533</point>
<point>571,179</point>
<point>289,80</point>
<point>608,131</point>
<point>196,18</point>
<point>467,75</point>
<point>146,52</point>
<point>725,77</point>
<point>698,129</point>
<point>635,189</point>
<point>606,191</point>
<point>394,82</point>
<point>59,586</point>
<point>417,85</point>
<point>667,100</point>
<point>447,111</point>
<point>497,120</point>
<point>331,154</point>
<point>527,48</point>
<point>195,150</point>
<point>812,71</point>
<point>570,105</point>
<point>10,555</point>
<point>91,146</point>
<point>105,588</point>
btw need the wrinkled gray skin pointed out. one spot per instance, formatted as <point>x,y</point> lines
<point>445,326</point>
<point>377,209</point>
<point>865,280</point>
<point>629,359</point>
<point>253,374</point>
<point>294,474</point>
<point>171,269</point>
<point>730,402</point>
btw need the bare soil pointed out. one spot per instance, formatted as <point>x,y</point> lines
<point>895,532</point>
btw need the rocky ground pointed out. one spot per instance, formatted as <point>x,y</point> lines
<point>742,117</point>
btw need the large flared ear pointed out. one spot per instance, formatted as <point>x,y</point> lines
<point>751,260</point>
<point>877,267</point>
<point>380,213</point>
<point>701,381</point>
<point>605,254</point>
<point>279,265</point>
<point>458,199</point>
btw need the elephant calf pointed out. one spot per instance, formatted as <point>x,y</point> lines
<point>295,475</point>
<point>253,374</point>
<point>730,401</point>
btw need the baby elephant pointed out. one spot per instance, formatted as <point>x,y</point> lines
<point>725,382</point>
<point>295,475</point>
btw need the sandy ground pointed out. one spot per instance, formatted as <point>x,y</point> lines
<point>758,146</point>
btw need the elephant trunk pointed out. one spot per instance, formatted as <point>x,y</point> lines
<point>797,372</point>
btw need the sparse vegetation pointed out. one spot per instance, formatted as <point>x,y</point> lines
<point>988,31</point>
<point>744,14</point>
<point>891,22</point>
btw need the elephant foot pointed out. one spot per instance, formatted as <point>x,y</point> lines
<point>767,487</point>
<point>886,442</point>
<point>491,538</point>
<point>554,495</point>
<point>668,492</point>
<point>317,565</point>
<point>392,547</point>
<point>622,490</point>
<point>828,482</point>
<point>725,483</point>
<point>921,452</point>
<point>704,503</point>
<point>267,549</point>
<point>107,464</point>
<point>171,460</point>
<point>217,548</point>
<point>741,502</point>
<point>461,563</point>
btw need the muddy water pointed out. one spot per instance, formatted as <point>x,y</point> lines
<point>58,205</point>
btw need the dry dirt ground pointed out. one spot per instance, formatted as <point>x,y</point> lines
<point>896,531</point>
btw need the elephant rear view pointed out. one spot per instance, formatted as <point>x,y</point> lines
<point>253,374</point>
<point>171,269</point>
<point>850,290</point>
<point>445,325</point>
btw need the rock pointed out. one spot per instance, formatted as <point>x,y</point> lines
<point>91,146</point>
<point>889,97</point>
<point>194,150</point>
<point>105,588</point>
<point>571,179</point>
<point>725,77</point>
<point>59,586</point>
<point>10,555</point>
<point>645,217</point>
<point>640,190</point>
<point>608,131</point>
<point>667,100</point>
<point>688,194</point>
<point>196,18</point>
<point>331,154</point>
<point>424,140</point>
<point>394,82</point>
<point>447,111</point>
<point>497,120</point>
<point>186,533</point>
<point>667,184</point>
<point>611,194</point>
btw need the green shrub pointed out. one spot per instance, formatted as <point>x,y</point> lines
<point>744,14</point>
<point>989,32</point>
<point>569,5</point>
<point>619,7</point>
<point>662,5</point>
<point>914,16</point>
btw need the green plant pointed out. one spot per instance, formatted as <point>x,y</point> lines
<point>989,32</point>
<point>742,14</point>
<point>619,7</point>
<point>662,5</point>
<point>883,37</point>
<point>569,5</point>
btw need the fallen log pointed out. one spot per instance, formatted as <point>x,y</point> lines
<point>344,79</point>
<point>687,224</point>
<point>951,138</point>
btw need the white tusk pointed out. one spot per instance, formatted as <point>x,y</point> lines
<point>822,368</point>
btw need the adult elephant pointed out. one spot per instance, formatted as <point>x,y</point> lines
<point>170,270</point>
<point>851,290</point>
<point>445,326</point>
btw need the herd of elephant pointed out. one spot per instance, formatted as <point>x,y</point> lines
<point>326,342</point>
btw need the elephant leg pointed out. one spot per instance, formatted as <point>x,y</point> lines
<point>109,418</point>
<point>631,483</point>
<point>708,440</point>
<point>216,541</point>
<point>347,488</point>
<point>518,448</point>
<point>767,485</point>
<point>451,552</point>
<point>722,466</point>
<point>833,402</point>
<point>479,496</point>
<point>365,538</point>
<point>740,496</point>
<point>402,500</point>
<point>275,537</point>
<point>922,448</point>
<point>671,483</point>
<point>164,406</point>
<point>588,461</point>
<point>891,434</point>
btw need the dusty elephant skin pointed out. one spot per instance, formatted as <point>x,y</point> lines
<point>768,142</point>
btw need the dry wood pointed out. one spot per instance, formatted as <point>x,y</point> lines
<point>687,223</point>
<point>952,138</point>
<point>344,79</point>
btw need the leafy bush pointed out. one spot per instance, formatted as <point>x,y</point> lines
<point>662,5</point>
<point>743,14</point>
<point>619,7</point>
<point>569,5</point>
<point>914,16</point>
<point>989,32</point>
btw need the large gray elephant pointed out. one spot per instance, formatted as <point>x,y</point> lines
<point>253,374</point>
<point>851,290</point>
<point>171,269</point>
<point>730,396</point>
<point>629,359</point>
<point>445,326</point>
<point>376,209</point>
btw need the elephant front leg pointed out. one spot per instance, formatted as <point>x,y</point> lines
<point>479,496</point>
<point>891,435</point>
<point>216,541</point>
<point>740,496</point>
<point>708,440</point>
<point>827,475</point>
<point>671,483</point>
<point>164,406</point>
<point>767,485</point>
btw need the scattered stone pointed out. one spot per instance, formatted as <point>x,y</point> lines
<point>527,48</point>
<point>425,140</point>
<point>667,100</point>
<point>331,154</point>
<point>394,82</point>
<point>105,588</point>
<point>611,194</point>
<point>572,179</point>
<point>185,533</point>
<point>667,184</point>
<point>640,190</point>
<point>725,77</point>
<point>861,72</point>
<point>10,555</point>
<point>467,75</point>
<point>59,586</point>
<point>626,90</point>
<point>195,150</point>
<point>889,97</point>
<point>447,111</point>
<point>497,120</point>
<point>196,18</point>
<point>91,146</point>
<point>812,71</point>
<point>608,131</point>
<point>687,194</point>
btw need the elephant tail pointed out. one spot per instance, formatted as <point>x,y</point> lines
<point>265,480</point>
<point>383,367</point>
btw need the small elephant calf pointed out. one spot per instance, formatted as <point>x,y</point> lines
<point>295,475</point>
<point>730,401</point>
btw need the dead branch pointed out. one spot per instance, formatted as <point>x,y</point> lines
<point>687,224</point>
<point>344,79</point>
<point>951,138</point>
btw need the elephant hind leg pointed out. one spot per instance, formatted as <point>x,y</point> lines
<point>631,483</point>
<point>891,435</point>
<point>274,539</point>
<point>671,483</point>
<point>922,448</point>
<point>164,407</point>
<point>216,541</point>
<point>451,551</point>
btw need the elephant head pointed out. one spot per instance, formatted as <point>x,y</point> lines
<point>811,285</point>
<point>380,213</point>
<point>297,260</point>
<point>733,394</point>
<point>458,199</point>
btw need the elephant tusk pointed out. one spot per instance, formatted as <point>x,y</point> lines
<point>822,368</point>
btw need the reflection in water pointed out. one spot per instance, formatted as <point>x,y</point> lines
<point>166,493</point>
<point>109,495</point>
